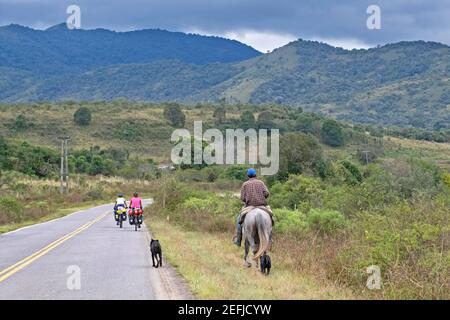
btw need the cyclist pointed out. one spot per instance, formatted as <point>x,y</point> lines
<point>135,203</point>
<point>120,203</point>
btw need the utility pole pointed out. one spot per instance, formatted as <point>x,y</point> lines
<point>366,152</point>
<point>165,169</point>
<point>64,170</point>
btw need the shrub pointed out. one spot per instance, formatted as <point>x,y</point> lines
<point>235,172</point>
<point>289,221</point>
<point>409,242</point>
<point>332,133</point>
<point>82,116</point>
<point>174,114</point>
<point>219,115</point>
<point>266,120</point>
<point>351,174</point>
<point>247,120</point>
<point>308,123</point>
<point>298,152</point>
<point>299,192</point>
<point>325,221</point>
<point>446,179</point>
<point>197,205</point>
<point>21,123</point>
<point>11,210</point>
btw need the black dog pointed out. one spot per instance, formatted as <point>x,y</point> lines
<point>156,251</point>
<point>266,264</point>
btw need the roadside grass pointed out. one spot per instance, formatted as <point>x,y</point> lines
<point>27,200</point>
<point>58,213</point>
<point>214,269</point>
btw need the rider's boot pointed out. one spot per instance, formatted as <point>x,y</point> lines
<point>237,239</point>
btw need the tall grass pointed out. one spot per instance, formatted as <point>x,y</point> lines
<point>408,239</point>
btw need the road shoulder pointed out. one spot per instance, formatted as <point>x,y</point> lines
<point>170,285</point>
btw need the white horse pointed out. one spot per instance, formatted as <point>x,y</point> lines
<point>256,229</point>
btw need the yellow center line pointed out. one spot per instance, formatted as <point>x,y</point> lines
<point>8,272</point>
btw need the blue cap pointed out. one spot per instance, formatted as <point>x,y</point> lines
<point>251,172</point>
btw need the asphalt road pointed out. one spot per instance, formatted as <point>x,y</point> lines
<point>81,256</point>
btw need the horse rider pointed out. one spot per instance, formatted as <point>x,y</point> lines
<point>254,193</point>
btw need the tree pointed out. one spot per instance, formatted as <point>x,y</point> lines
<point>298,152</point>
<point>174,114</point>
<point>247,120</point>
<point>21,123</point>
<point>219,115</point>
<point>265,120</point>
<point>307,123</point>
<point>332,133</point>
<point>82,116</point>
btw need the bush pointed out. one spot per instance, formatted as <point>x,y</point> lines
<point>350,172</point>
<point>21,124</point>
<point>299,192</point>
<point>446,179</point>
<point>298,152</point>
<point>247,120</point>
<point>11,210</point>
<point>289,221</point>
<point>325,221</point>
<point>266,120</point>
<point>408,242</point>
<point>207,205</point>
<point>332,133</point>
<point>219,115</point>
<point>82,116</point>
<point>308,123</point>
<point>234,172</point>
<point>174,114</point>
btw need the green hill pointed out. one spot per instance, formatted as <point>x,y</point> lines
<point>404,84</point>
<point>58,50</point>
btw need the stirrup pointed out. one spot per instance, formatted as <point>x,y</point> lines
<point>237,241</point>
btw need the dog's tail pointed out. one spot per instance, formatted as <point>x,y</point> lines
<point>263,234</point>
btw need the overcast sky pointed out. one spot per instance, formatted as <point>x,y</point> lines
<point>263,24</point>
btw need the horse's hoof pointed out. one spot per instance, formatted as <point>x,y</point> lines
<point>247,264</point>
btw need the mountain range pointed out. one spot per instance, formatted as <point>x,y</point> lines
<point>404,84</point>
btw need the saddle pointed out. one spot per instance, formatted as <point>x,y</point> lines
<point>246,210</point>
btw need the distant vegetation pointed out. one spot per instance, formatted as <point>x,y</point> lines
<point>58,50</point>
<point>403,84</point>
<point>174,114</point>
<point>82,116</point>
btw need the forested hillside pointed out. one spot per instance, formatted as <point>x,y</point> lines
<point>405,84</point>
<point>58,50</point>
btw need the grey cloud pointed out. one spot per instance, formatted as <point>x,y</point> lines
<point>401,19</point>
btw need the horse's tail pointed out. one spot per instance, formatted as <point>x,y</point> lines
<point>263,235</point>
